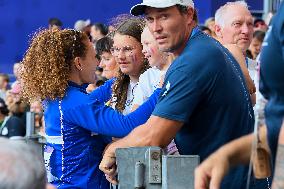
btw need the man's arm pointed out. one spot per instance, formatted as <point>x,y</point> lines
<point>212,170</point>
<point>210,173</point>
<point>156,131</point>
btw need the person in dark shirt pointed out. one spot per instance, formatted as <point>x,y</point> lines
<point>10,125</point>
<point>204,102</point>
<point>212,170</point>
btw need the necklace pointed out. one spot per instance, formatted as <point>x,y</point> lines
<point>129,101</point>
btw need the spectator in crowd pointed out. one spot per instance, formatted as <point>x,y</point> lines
<point>16,105</point>
<point>206,30</point>
<point>159,62</point>
<point>16,69</point>
<point>127,50</point>
<point>107,60</point>
<point>21,166</point>
<point>98,31</point>
<point>4,85</point>
<point>36,107</point>
<point>108,66</point>
<point>210,23</point>
<point>74,119</point>
<point>84,26</point>
<point>10,125</point>
<point>192,99</point>
<point>234,25</point>
<point>54,23</point>
<point>212,171</point>
<point>255,46</point>
<point>259,25</point>
<point>111,28</point>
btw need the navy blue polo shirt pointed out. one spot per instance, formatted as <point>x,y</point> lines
<point>272,78</point>
<point>205,89</point>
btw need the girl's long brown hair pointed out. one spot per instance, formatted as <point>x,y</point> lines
<point>132,26</point>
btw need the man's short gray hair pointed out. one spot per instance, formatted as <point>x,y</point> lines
<point>21,167</point>
<point>220,13</point>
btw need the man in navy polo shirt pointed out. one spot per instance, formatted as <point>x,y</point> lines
<point>212,170</point>
<point>204,102</point>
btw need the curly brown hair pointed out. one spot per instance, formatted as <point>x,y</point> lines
<point>132,26</point>
<point>46,67</point>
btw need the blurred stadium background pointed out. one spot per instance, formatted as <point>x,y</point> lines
<point>20,18</point>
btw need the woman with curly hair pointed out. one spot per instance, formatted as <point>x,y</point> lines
<point>56,70</point>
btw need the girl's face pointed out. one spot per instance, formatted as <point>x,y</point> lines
<point>109,65</point>
<point>150,48</point>
<point>255,47</point>
<point>128,54</point>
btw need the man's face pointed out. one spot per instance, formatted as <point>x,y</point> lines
<point>169,27</point>
<point>238,27</point>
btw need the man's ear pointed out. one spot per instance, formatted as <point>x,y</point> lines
<point>218,31</point>
<point>190,14</point>
<point>77,63</point>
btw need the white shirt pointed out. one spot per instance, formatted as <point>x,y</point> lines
<point>148,82</point>
<point>252,68</point>
<point>132,87</point>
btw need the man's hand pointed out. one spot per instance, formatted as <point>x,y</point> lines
<point>108,165</point>
<point>209,174</point>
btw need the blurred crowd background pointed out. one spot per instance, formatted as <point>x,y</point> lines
<point>20,18</point>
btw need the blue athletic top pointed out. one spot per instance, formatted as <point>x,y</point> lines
<point>74,128</point>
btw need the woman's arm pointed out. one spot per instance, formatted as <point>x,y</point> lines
<point>103,93</point>
<point>105,120</point>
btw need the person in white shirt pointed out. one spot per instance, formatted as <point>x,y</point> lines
<point>151,78</point>
<point>159,62</point>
